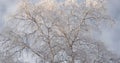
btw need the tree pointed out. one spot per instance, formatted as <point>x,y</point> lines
<point>56,32</point>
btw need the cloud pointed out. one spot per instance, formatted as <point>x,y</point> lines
<point>111,36</point>
<point>5,7</point>
<point>114,8</point>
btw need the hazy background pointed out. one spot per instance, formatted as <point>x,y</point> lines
<point>111,37</point>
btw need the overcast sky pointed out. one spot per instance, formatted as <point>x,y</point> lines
<point>110,36</point>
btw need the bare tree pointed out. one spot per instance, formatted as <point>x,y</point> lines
<point>57,32</point>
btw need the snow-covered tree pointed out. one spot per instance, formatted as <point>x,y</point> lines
<point>53,32</point>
